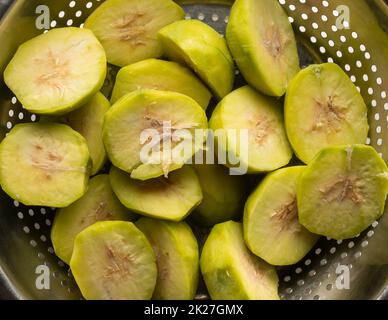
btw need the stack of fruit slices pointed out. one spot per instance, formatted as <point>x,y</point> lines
<point>337,189</point>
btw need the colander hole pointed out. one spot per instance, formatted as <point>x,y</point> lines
<point>330,59</point>
<point>298,270</point>
<point>333,250</point>
<point>367,55</point>
<point>304,16</point>
<point>313,39</point>
<point>357,254</point>
<point>287,279</point>
<point>16,203</point>
<point>43,238</point>
<point>379,81</point>
<point>324,18</point>
<point>364,243</point>
<point>362,47</point>
<point>81,25</point>
<point>53,23</point>
<point>226,19</point>
<point>307,262</point>
<point>48,222</point>
<point>365,77</point>
<point>201,16</point>
<point>370,233</point>
<point>69,22</point>
<point>61,14</point>
<point>373,102</point>
<point>188,16</point>
<point>41,256</point>
<point>383,94</point>
<point>322,49</point>
<point>89,5</point>
<point>72,4</point>
<point>350,244</point>
<point>339,54</point>
<point>21,115</point>
<point>36,226</point>
<point>377,116</point>
<point>289,290</point>
<point>374,68</point>
<point>339,241</point>
<point>343,39</point>
<point>33,243</point>
<point>315,25</point>
<point>20,215</point>
<point>292,7</point>
<point>282,2</point>
<point>354,35</point>
<point>215,17</point>
<point>334,28</point>
<point>302,29</point>
<point>317,284</point>
<point>9,125</point>
<point>307,291</point>
<point>300,283</point>
<point>331,43</point>
<point>316,297</point>
<point>297,297</point>
<point>344,255</point>
<point>358,64</point>
<point>50,250</point>
<point>379,141</point>
<point>329,287</point>
<point>318,251</point>
<point>347,67</point>
<point>351,49</point>
<point>11,113</point>
<point>61,263</point>
<point>43,211</point>
<point>78,13</point>
<point>312,273</point>
<point>353,78</point>
<point>33,117</point>
<point>323,262</point>
<point>324,34</point>
<point>14,100</point>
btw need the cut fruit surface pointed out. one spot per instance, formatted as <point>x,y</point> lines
<point>323,108</point>
<point>43,164</point>
<point>342,191</point>
<point>99,203</point>
<point>171,198</point>
<point>58,71</point>
<point>204,50</point>
<point>231,271</point>
<point>263,44</point>
<point>177,258</point>
<point>265,146</point>
<point>271,227</point>
<point>150,133</point>
<point>128,29</point>
<point>113,260</point>
<point>160,75</point>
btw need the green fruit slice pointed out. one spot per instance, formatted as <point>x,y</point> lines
<point>170,199</point>
<point>99,203</point>
<point>113,260</point>
<point>231,271</point>
<point>223,195</point>
<point>204,50</point>
<point>176,251</point>
<point>267,147</point>
<point>271,227</point>
<point>158,116</point>
<point>58,71</point>
<point>262,42</point>
<point>323,108</point>
<point>342,191</point>
<point>88,121</point>
<point>160,75</point>
<point>128,29</point>
<point>43,164</point>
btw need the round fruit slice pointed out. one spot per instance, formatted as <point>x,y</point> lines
<point>58,71</point>
<point>323,108</point>
<point>113,260</point>
<point>170,199</point>
<point>88,121</point>
<point>43,164</point>
<point>271,227</point>
<point>150,133</point>
<point>265,146</point>
<point>128,29</point>
<point>262,42</point>
<point>204,50</point>
<point>342,191</point>
<point>99,203</point>
<point>160,75</point>
<point>176,251</point>
<point>223,195</point>
<point>231,271</point>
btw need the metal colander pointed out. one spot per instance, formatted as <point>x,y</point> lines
<point>350,33</point>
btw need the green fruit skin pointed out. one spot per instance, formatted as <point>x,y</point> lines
<point>223,195</point>
<point>305,145</point>
<point>204,50</point>
<point>86,263</point>
<point>160,75</point>
<point>50,129</point>
<point>277,247</point>
<point>55,109</point>
<point>336,219</point>
<point>256,69</point>
<point>229,268</point>
<point>177,256</point>
<point>70,221</point>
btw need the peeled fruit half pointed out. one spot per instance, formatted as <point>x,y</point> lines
<point>150,133</point>
<point>231,271</point>
<point>160,75</point>
<point>128,29</point>
<point>44,164</point>
<point>271,227</point>
<point>323,108</point>
<point>342,191</point>
<point>99,203</point>
<point>204,50</point>
<point>58,71</point>
<point>263,44</point>
<point>171,198</point>
<point>113,260</point>
<point>177,258</point>
<point>249,127</point>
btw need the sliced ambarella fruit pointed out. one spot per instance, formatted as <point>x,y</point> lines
<point>99,203</point>
<point>264,147</point>
<point>58,71</point>
<point>204,50</point>
<point>323,108</point>
<point>171,198</point>
<point>160,75</point>
<point>176,251</point>
<point>231,271</point>
<point>262,42</point>
<point>342,191</point>
<point>150,133</point>
<point>271,227</point>
<point>44,164</point>
<point>128,29</point>
<point>113,260</point>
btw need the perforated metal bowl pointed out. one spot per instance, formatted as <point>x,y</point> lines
<point>359,45</point>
